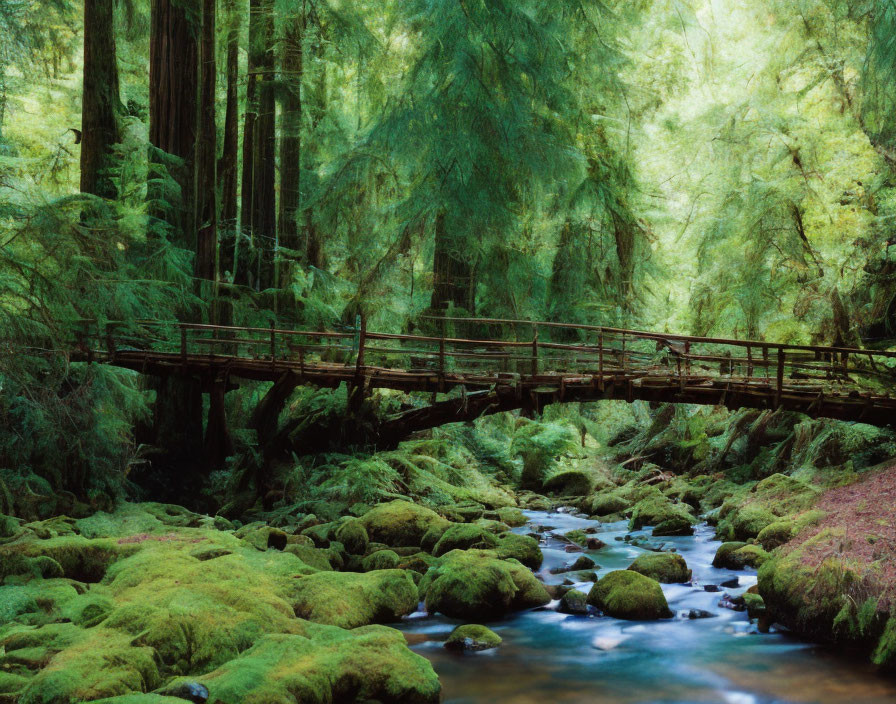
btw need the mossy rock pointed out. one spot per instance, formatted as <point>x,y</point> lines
<point>381,560</point>
<point>9,526</point>
<point>464,536</point>
<point>313,557</point>
<point>776,534</point>
<point>320,534</point>
<point>350,600</point>
<point>78,558</point>
<point>472,637</point>
<point>513,517</point>
<point>755,605</point>
<point>664,567</point>
<point>571,482</point>
<point>101,664</point>
<point>400,523</point>
<point>607,503</point>
<point>520,547</point>
<point>477,584</point>
<point>433,535</point>
<point>629,595</point>
<point>419,562</point>
<point>492,526</point>
<point>264,537</point>
<point>326,665</point>
<point>353,535</point>
<point>658,511</point>
<point>738,555</point>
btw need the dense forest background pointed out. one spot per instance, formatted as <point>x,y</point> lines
<point>690,166</point>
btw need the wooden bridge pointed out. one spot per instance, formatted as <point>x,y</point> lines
<point>503,365</point>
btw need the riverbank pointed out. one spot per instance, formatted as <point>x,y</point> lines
<point>153,603</point>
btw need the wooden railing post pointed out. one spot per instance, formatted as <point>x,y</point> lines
<point>600,358</point>
<point>183,343</point>
<point>273,345</point>
<point>779,391</point>
<point>362,338</point>
<point>535,350</point>
<point>624,366</point>
<point>749,362</point>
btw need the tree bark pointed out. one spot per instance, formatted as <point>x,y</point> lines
<point>205,265</point>
<point>173,55</point>
<point>259,200</point>
<point>227,166</point>
<point>101,104</point>
<point>291,67</point>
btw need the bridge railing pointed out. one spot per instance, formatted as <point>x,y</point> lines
<point>484,350</point>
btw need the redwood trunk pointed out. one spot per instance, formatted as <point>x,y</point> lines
<point>100,101</point>
<point>227,166</point>
<point>453,274</point>
<point>206,152</point>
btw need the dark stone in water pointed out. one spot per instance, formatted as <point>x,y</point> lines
<point>587,576</point>
<point>574,602</point>
<point>619,538</point>
<point>574,548</point>
<point>191,691</point>
<point>595,544</point>
<point>731,583</point>
<point>711,588</point>
<point>582,563</point>
<point>737,603</point>
<point>700,613</point>
<point>543,529</point>
<point>556,591</point>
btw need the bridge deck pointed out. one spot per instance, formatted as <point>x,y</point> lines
<point>535,364</point>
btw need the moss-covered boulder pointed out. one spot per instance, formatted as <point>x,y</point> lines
<point>381,560</point>
<point>513,517</point>
<point>746,513</point>
<point>353,535</point>
<point>664,567</point>
<point>472,637</point>
<point>629,595</point>
<point>520,547</point>
<point>349,600</point>
<point>326,665</point>
<point>607,503</point>
<point>477,584</point>
<point>464,536</point>
<point>738,555</point>
<point>658,511</point>
<point>400,523</point>
<point>569,482</point>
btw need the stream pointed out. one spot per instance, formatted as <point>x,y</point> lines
<point>552,657</point>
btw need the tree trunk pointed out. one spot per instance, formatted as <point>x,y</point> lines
<point>291,67</point>
<point>205,265</point>
<point>259,200</point>
<point>453,275</point>
<point>101,105</point>
<point>173,55</point>
<point>173,112</point>
<point>227,166</point>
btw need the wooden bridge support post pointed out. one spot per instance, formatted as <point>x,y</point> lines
<point>600,358</point>
<point>779,389</point>
<point>535,350</point>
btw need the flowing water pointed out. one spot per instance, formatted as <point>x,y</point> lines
<point>552,657</point>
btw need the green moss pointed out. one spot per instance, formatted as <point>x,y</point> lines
<point>102,664</point>
<point>884,654</point>
<point>607,503</point>
<point>628,595</point>
<point>78,558</point>
<point>523,548</point>
<point>656,510</point>
<point>665,567</point>
<point>326,665</point>
<point>755,605</point>
<point>492,526</point>
<point>570,482</point>
<point>477,584</point>
<point>400,523</point>
<point>464,536</point>
<point>724,552</point>
<point>472,637</point>
<point>352,533</point>
<point>313,557</point>
<point>512,516</point>
<point>381,560</point>
<point>350,600</point>
<point>11,683</point>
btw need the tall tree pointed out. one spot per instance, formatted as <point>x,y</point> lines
<point>291,69</point>
<point>206,152</point>
<point>227,165</point>
<point>101,106</point>
<point>259,214</point>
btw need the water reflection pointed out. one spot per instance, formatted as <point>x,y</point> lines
<point>553,657</point>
